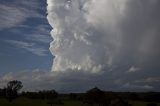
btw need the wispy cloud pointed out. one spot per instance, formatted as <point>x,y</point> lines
<point>149,80</point>
<point>39,34</point>
<point>14,15</point>
<point>16,12</point>
<point>140,87</point>
<point>31,47</point>
<point>133,69</point>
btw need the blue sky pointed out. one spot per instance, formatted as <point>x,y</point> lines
<point>24,36</point>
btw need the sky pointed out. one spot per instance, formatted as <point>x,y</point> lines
<point>25,36</point>
<point>75,45</point>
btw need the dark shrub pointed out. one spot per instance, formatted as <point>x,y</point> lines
<point>96,97</point>
<point>151,104</point>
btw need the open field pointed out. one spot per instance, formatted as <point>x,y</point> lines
<point>29,102</point>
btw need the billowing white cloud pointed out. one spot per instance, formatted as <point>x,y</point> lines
<point>94,36</point>
<point>83,38</point>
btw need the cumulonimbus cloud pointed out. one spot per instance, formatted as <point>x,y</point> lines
<point>84,33</point>
<point>112,44</point>
<point>92,35</point>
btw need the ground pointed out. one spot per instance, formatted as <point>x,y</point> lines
<point>29,102</point>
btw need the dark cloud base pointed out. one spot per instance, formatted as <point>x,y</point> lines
<point>73,81</point>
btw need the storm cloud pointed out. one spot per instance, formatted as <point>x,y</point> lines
<point>111,44</point>
<point>116,40</point>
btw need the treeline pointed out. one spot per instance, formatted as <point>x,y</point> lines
<point>10,91</point>
<point>91,97</point>
<point>45,94</point>
<point>2,92</point>
<point>135,96</point>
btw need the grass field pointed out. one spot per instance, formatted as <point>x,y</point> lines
<point>141,103</point>
<point>29,102</point>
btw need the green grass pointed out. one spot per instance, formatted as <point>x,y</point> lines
<point>140,103</point>
<point>22,102</point>
<point>29,102</point>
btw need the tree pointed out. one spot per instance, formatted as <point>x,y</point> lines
<point>96,97</point>
<point>12,89</point>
